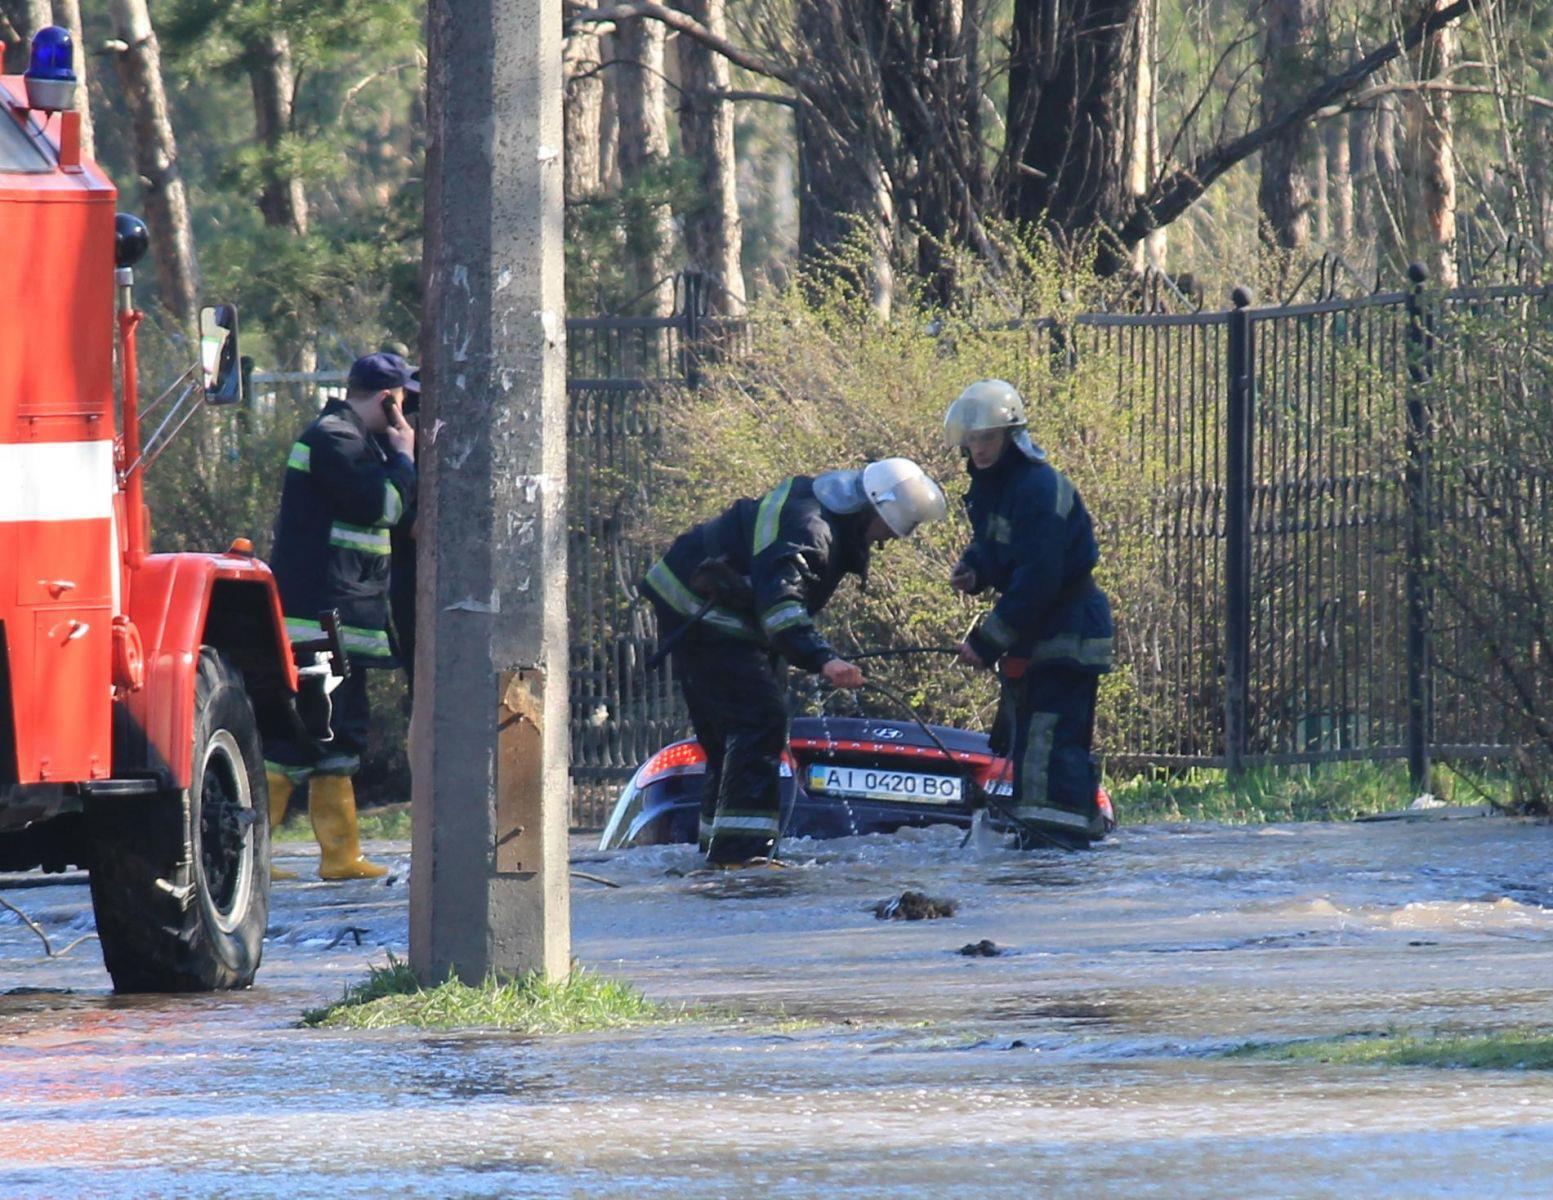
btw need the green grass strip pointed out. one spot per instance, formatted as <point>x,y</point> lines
<point>1510,1050</point>
<point>393,998</point>
<point>1331,792</point>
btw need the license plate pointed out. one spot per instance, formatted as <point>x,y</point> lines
<point>872,784</point>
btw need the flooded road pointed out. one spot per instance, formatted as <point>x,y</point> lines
<point>850,1056</point>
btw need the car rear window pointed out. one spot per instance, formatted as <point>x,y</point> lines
<point>19,154</point>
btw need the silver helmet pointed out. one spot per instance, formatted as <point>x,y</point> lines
<point>902,494</point>
<point>896,488</point>
<point>989,404</point>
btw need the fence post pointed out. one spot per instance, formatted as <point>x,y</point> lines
<point>1237,531</point>
<point>695,307</point>
<point>1420,371</point>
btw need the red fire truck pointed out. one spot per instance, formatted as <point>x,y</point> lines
<point>134,687</point>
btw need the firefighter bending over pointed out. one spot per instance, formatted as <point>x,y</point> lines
<point>737,595</point>
<point>1050,633</point>
<point>349,480</point>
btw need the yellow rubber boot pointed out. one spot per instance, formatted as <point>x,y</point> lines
<point>280,796</point>
<point>331,803</point>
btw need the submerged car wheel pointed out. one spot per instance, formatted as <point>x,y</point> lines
<point>179,879</point>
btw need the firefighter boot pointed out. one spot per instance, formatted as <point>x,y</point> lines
<point>280,796</point>
<point>332,806</point>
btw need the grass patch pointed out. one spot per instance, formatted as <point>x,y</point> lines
<point>1332,792</point>
<point>1511,1050</point>
<point>390,823</point>
<point>391,997</point>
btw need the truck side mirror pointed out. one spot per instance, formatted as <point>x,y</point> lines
<point>220,365</point>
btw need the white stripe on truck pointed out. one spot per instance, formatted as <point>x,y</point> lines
<point>56,481</point>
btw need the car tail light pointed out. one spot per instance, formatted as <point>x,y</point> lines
<point>997,778</point>
<point>789,765</point>
<point>1103,799</point>
<point>682,758</point>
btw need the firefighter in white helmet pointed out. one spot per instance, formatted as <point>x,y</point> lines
<point>737,595</point>
<point>1050,634</point>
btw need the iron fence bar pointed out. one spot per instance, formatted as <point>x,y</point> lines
<point>1237,574</point>
<point>690,341</point>
<point>1420,369</point>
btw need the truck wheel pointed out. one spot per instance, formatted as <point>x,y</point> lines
<point>180,879</point>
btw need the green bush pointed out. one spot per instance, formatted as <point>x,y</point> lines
<point>827,384</point>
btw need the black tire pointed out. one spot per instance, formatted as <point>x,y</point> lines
<point>180,879</point>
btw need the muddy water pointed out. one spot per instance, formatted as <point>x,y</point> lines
<point>859,1057</point>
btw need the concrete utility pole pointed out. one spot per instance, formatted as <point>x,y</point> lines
<point>488,877</point>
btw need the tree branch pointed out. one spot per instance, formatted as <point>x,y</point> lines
<point>1173,195</point>
<point>636,10</point>
<point>1359,99</point>
<point>768,97</point>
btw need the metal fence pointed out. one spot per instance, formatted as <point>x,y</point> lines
<point>1279,609</point>
<point>622,372</point>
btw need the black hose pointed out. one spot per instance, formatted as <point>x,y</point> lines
<point>1018,822</point>
<point>903,652</point>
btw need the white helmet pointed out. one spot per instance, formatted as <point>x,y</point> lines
<point>990,404</point>
<point>986,404</point>
<point>902,494</point>
<point>896,488</point>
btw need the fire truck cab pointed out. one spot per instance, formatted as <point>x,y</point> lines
<point>134,687</point>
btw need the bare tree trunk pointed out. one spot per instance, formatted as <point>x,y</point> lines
<point>68,14</point>
<point>1321,191</point>
<point>844,184</point>
<point>1143,152</point>
<point>272,80</point>
<point>1390,238</point>
<point>283,199</point>
<point>156,161</point>
<point>1362,134</point>
<point>25,17</point>
<point>1428,165</point>
<point>1284,193</point>
<point>644,149</point>
<point>584,101</point>
<point>609,113</point>
<point>1339,181</point>
<point>713,232</point>
<point>1071,104</point>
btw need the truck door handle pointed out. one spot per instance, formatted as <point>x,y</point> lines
<point>58,587</point>
<point>78,630</point>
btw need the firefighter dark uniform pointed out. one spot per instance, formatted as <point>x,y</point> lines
<point>1050,632</point>
<point>343,493</point>
<point>402,573</point>
<point>795,551</point>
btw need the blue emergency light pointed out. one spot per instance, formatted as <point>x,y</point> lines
<point>51,81</point>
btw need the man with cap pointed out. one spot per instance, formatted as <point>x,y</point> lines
<point>737,595</point>
<point>401,540</point>
<point>1050,634</point>
<point>349,480</point>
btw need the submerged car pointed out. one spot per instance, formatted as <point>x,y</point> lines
<point>841,776</point>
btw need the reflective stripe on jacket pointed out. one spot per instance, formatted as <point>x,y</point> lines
<point>795,553</point>
<point>343,493</point>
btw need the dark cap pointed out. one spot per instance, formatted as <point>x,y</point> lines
<point>381,372</point>
<point>412,393</point>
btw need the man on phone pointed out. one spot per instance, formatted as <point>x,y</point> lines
<point>349,480</point>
